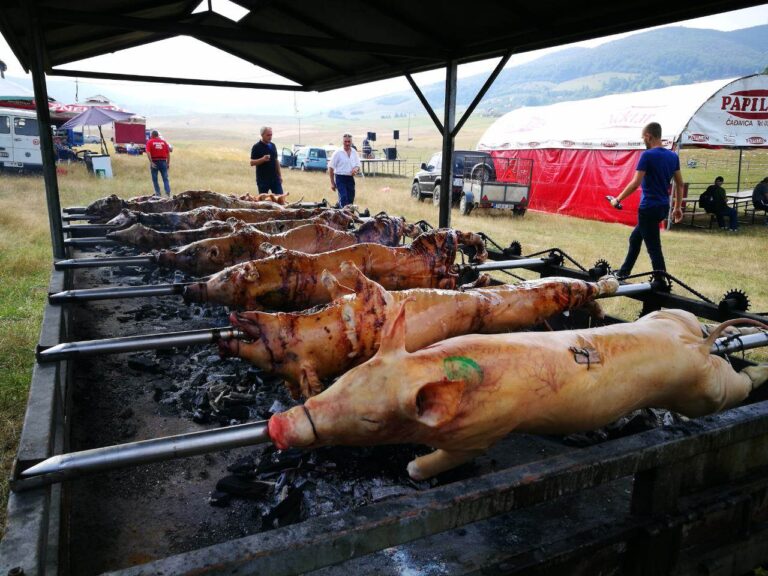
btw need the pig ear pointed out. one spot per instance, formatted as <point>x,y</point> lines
<point>393,333</point>
<point>436,403</point>
<point>334,287</point>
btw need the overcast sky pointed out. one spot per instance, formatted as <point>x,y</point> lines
<point>186,57</point>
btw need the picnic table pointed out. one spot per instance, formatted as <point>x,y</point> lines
<point>692,208</point>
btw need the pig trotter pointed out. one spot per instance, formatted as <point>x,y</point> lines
<point>757,374</point>
<point>439,461</point>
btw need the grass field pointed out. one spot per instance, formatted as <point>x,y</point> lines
<point>210,154</point>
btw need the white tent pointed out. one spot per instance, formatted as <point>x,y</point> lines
<point>587,149</point>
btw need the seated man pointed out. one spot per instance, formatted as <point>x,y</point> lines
<point>718,205</point>
<point>64,152</point>
<point>760,197</point>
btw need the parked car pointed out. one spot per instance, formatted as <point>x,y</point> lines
<point>426,183</point>
<point>19,139</point>
<point>311,158</point>
<point>91,139</point>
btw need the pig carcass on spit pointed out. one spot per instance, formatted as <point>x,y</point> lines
<point>148,238</point>
<point>306,347</point>
<point>290,280</point>
<point>462,395</point>
<point>199,216</point>
<point>109,207</point>
<point>214,254</point>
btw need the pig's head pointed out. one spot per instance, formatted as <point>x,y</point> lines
<point>382,230</point>
<point>224,287</point>
<point>199,258</point>
<point>395,397</point>
<point>136,235</point>
<point>105,208</point>
<point>124,219</point>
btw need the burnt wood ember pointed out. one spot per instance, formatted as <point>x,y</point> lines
<point>311,346</point>
<point>105,208</point>
<point>199,216</point>
<point>291,280</point>
<point>214,254</point>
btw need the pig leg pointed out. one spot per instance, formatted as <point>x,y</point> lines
<point>718,387</point>
<point>758,375</point>
<point>439,461</point>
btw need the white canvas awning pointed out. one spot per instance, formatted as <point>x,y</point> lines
<point>616,121</point>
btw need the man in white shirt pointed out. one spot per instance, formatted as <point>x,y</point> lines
<point>344,165</point>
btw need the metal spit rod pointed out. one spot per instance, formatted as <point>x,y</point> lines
<point>99,262</point>
<point>77,464</point>
<point>89,227</point>
<point>90,241</point>
<point>510,264</point>
<point>75,209</point>
<point>88,294</point>
<point>69,350</point>
<point>77,216</point>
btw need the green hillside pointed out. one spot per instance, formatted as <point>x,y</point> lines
<point>644,61</point>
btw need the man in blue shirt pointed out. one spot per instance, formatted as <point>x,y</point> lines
<point>264,157</point>
<point>656,167</point>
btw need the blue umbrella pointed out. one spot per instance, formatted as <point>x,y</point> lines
<point>97,117</point>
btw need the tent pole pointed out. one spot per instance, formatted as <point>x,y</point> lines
<point>738,177</point>
<point>37,67</point>
<point>103,144</point>
<point>449,120</point>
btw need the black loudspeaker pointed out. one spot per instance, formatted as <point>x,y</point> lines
<point>391,153</point>
<point>396,135</point>
<point>372,136</point>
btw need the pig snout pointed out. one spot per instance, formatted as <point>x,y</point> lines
<point>197,292</point>
<point>166,258</point>
<point>292,429</point>
<point>250,327</point>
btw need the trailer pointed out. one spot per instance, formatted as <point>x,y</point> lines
<point>506,186</point>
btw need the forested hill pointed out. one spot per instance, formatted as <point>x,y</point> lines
<point>653,59</point>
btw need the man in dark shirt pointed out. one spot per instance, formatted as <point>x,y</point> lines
<point>720,206</point>
<point>264,157</point>
<point>656,167</point>
<point>760,197</point>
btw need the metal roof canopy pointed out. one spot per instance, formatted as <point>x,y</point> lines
<point>345,44</point>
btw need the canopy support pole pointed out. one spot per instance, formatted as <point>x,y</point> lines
<point>449,121</point>
<point>37,67</point>
<point>738,176</point>
<point>103,144</point>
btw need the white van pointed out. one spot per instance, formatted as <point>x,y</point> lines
<point>19,139</point>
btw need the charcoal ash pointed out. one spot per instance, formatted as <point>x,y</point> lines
<point>633,423</point>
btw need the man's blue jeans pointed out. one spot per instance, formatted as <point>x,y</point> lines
<point>162,167</point>
<point>345,186</point>
<point>647,230</point>
<point>733,218</point>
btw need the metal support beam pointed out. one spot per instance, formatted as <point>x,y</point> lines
<point>424,102</point>
<point>491,79</point>
<point>174,80</point>
<point>46,139</point>
<point>449,118</point>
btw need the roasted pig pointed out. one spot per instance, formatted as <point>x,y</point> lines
<point>462,395</point>
<point>308,347</point>
<point>291,280</point>
<point>148,238</point>
<point>106,208</point>
<point>199,216</point>
<point>214,254</point>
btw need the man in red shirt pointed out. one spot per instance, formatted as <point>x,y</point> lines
<point>159,154</point>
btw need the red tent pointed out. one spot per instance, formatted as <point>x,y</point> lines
<point>585,150</point>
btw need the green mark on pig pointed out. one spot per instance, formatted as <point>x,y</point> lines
<point>463,368</point>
